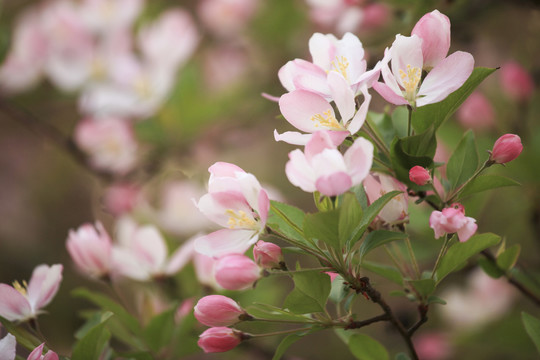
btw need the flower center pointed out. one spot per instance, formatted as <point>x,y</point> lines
<point>239,219</point>
<point>410,80</point>
<point>20,288</point>
<point>327,120</point>
<point>340,66</point>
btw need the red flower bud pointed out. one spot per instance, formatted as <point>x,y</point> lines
<point>267,254</point>
<point>219,339</point>
<point>217,310</point>
<point>506,148</point>
<point>419,175</point>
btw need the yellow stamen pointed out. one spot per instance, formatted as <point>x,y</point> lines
<point>20,288</point>
<point>410,80</point>
<point>327,120</point>
<point>340,66</point>
<point>240,219</point>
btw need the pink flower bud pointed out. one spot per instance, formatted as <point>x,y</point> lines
<point>434,30</point>
<point>506,148</point>
<point>91,250</point>
<point>37,354</point>
<point>219,339</point>
<point>267,255</point>
<point>236,272</point>
<point>419,175</point>
<point>476,112</point>
<point>218,310</point>
<point>516,82</point>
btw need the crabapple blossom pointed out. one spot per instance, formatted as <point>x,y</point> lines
<point>267,254</point>
<point>37,354</point>
<point>403,85</point>
<point>453,220</point>
<point>321,167</point>
<point>378,184</point>
<point>226,18</point>
<point>516,82</point>
<point>476,112</point>
<point>419,175</point>
<point>506,148</point>
<point>109,16</point>
<point>236,272</point>
<point>236,201</point>
<point>434,30</point>
<point>25,301</point>
<point>121,198</point>
<point>219,339</point>
<point>90,248</point>
<point>218,310</point>
<point>109,142</point>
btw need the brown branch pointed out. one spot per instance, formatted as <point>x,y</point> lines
<point>362,323</point>
<point>517,284</point>
<point>422,310</point>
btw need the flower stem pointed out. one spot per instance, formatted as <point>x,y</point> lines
<point>409,122</point>
<point>280,332</point>
<point>413,258</point>
<point>443,249</point>
<point>456,192</point>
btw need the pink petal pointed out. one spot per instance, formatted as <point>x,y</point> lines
<point>13,305</point>
<point>358,120</point>
<point>406,51</point>
<point>299,171</point>
<point>299,108</point>
<point>150,248</point>
<point>8,345</point>
<point>445,78</point>
<point>264,206</point>
<point>323,50</point>
<point>434,30</point>
<point>180,257</point>
<point>388,94</point>
<point>224,169</point>
<point>215,205</point>
<point>358,159</point>
<point>342,95</point>
<point>334,184</point>
<point>467,230</point>
<point>351,49</point>
<point>50,355</point>
<point>293,137</point>
<point>304,75</point>
<point>225,241</point>
<point>43,285</point>
<point>318,142</point>
<point>36,353</point>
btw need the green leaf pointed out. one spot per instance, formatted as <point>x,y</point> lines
<point>399,120</point>
<point>311,290</point>
<point>402,356</point>
<point>486,182</point>
<point>425,287</point>
<point>386,271</point>
<point>382,124</point>
<point>370,214</point>
<point>140,355</point>
<point>350,215</point>
<point>265,311</point>
<point>108,304</point>
<point>91,345</point>
<point>532,326</point>
<point>463,162</point>
<point>286,343</point>
<point>323,203</point>
<point>364,347</point>
<point>159,330</point>
<point>490,268</point>
<point>507,259</point>
<point>23,336</point>
<point>339,290</point>
<point>287,220</point>
<point>411,151</point>
<point>435,114</point>
<point>378,238</point>
<point>432,299</point>
<point>323,226</point>
<point>459,253</point>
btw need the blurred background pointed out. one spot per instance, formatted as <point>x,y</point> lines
<point>189,87</point>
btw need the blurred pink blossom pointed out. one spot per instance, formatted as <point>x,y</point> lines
<point>25,301</point>
<point>432,346</point>
<point>109,142</point>
<point>108,16</point>
<point>516,82</point>
<point>234,59</point>
<point>90,249</point>
<point>397,209</point>
<point>226,18</point>
<point>476,112</point>
<point>121,198</point>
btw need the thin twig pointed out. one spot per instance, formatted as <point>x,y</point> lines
<point>422,311</point>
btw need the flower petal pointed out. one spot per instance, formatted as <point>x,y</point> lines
<point>292,137</point>
<point>406,51</point>
<point>358,159</point>
<point>299,171</point>
<point>303,108</point>
<point>334,184</point>
<point>358,120</point>
<point>13,305</point>
<point>388,94</point>
<point>8,345</point>
<point>342,95</point>
<point>445,78</point>
<point>225,241</point>
<point>43,285</point>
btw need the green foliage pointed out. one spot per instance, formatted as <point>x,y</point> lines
<point>463,162</point>
<point>311,290</point>
<point>459,253</point>
<point>323,226</point>
<point>424,287</point>
<point>350,214</point>
<point>286,219</point>
<point>286,343</point>
<point>490,268</point>
<point>436,114</point>
<point>532,326</point>
<point>265,311</point>
<point>364,347</point>
<point>386,271</point>
<point>402,356</point>
<point>378,238</point>
<point>508,258</point>
<point>486,182</point>
<point>91,345</point>
<point>159,330</point>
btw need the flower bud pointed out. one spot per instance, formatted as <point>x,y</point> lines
<point>434,30</point>
<point>218,310</point>
<point>506,148</point>
<point>91,250</point>
<point>236,272</point>
<point>267,255</point>
<point>516,82</point>
<point>219,339</point>
<point>419,175</point>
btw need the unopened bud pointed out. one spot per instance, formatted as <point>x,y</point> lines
<point>236,272</point>
<point>218,310</point>
<point>267,255</point>
<point>419,175</point>
<point>506,148</point>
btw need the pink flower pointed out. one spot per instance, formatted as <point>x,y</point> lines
<point>403,85</point>
<point>8,346</point>
<point>434,30</point>
<point>453,220</point>
<point>236,201</point>
<point>91,250</point>
<point>419,175</point>
<point>476,112</point>
<point>23,302</point>
<point>321,167</point>
<point>506,148</point>
<point>226,18</point>
<point>219,339</point>
<point>121,198</point>
<point>516,82</point>
<point>109,142</point>
<point>205,270</point>
<point>109,16</point>
<point>37,354</point>
<point>433,346</point>
<point>397,209</point>
<point>267,254</point>
<point>218,310</point>
<point>236,272</point>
